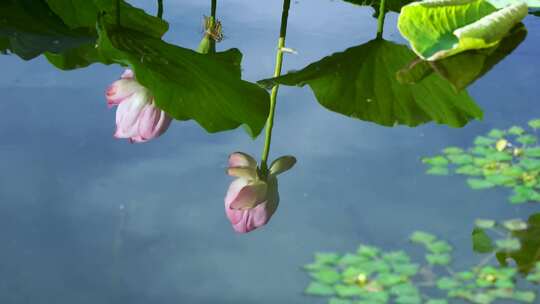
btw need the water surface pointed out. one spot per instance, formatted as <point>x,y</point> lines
<point>86,218</point>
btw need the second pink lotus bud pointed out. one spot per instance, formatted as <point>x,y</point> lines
<point>253,197</point>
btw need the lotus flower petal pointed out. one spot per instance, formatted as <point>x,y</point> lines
<point>248,173</point>
<point>244,221</point>
<point>127,115</point>
<point>282,164</point>
<point>137,117</point>
<point>249,196</point>
<point>128,74</point>
<point>240,159</point>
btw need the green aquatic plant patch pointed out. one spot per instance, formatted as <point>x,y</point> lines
<point>375,276</point>
<point>502,158</point>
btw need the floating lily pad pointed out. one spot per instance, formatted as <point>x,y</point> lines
<point>515,224</point>
<point>482,243</point>
<point>528,255</point>
<point>476,183</point>
<point>395,279</point>
<point>319,289</point>
<point>503,158</point>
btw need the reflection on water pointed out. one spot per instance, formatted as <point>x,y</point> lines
<point>88,219</point>
<point>463,69</point>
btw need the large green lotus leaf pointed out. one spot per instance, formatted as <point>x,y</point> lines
<point>28,28</point>
<point>361,83</point>
<point>440,28</point>
<point>84,13</point>
<point>4,44</point>
<point>76,58</point>
<point>390,5</point>
<point>503,3</point>
<point>189,85</point>
<point>463,69</point>
<point>529,254</point>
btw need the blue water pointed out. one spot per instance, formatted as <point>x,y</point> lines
<point>86,218</point>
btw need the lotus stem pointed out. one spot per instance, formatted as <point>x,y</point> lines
<point>380,19</point>
<point>275,88</point>
<point>160,9</point>
<point>212,23</point>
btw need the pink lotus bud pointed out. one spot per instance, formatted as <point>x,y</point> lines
<point>137,117</point>
<point>252,199</point>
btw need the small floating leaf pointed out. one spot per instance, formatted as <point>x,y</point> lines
<point>534,277</point>
<point>483,141</point>
<point>469,170</point>
<point>422,237</point>
<point>326,258</point>
<point>477,184</point>
<point>535,123</point>
<point>326,276</point>
<point>406,269</point>
<point>532,152</point>
<point>516,130</point>
<point>526,139</point>
<point>319,289</point>
<point>460,159</point>
<point>499,156</point>
<point>501,180</point>
<point>496,133</point>
<point>447,283</point>
<point>436,161</point>
<point>484,223</point>
<point>438,171</point>
<point>453,150</point>
<point>515,224</point>
<point>438,259</point>
<point>368,251</point>
<point>508,244</point>
<point>524,296</point>
<point>482,243</point>
<point>439,247</point>
<point>389,279</point>
<point>347,291</point>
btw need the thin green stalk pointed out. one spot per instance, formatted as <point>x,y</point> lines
<point>380,19</point>
<point>213,22</point>
<point>160,9</point>
<point>208,43</point>
<point>214,7</point>
<point>274,93</point>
